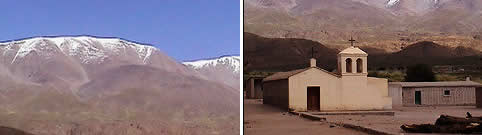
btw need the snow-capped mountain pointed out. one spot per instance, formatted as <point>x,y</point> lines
<point>223,69</point>
<point>107,78</point>
<point>89,49</point>
<point>68,62</point>
<point>413,7</point>
<point>229,61</point>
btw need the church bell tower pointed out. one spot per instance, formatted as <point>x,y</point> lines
<point>352,61</point>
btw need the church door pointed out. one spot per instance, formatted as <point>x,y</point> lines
<point>313,99</point>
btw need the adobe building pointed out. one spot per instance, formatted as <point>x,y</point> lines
<point>315,89</point>
<point>448,93</point>
<point>254,88</point>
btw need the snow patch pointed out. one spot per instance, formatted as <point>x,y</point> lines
<point>87,49</point>
<point>391,3</point>
<point>232,61</point>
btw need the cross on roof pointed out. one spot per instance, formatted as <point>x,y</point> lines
<point>313,52</point>
<point>352,40</point>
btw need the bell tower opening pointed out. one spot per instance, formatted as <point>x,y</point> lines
<point>359,65</point>
<point>348,65</point>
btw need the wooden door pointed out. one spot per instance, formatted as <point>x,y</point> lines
<point>313,99</point>
<point>418,97</point>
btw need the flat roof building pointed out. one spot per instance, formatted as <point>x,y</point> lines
<point>433,93</point>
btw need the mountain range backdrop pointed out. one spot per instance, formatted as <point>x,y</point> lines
<point>279,34</point>
<point>119,67</point>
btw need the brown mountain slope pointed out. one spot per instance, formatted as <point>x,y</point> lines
<point>428,53</point>
<point>224,69</point>
<point>284,54</point>
<point>375,22</point>
<point>280,54</point>
<point>109,86</point>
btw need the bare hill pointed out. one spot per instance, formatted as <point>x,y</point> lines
<point>284,53</point>
<point>280,54</point>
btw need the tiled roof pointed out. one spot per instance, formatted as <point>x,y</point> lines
<point>437,84</point>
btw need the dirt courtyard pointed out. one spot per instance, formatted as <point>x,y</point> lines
<point>262,119</point>
<point>403,115</point>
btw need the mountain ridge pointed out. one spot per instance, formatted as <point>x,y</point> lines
<point>61,81</point>
<point>284,54</point>
<point>450,23</point>
<point>224,69</point>
<point>79,35</point>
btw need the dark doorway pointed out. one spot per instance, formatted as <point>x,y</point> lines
<point>478,97</point>
<point>418,97</point>
<point>313,99</point>
<point>348,65</point>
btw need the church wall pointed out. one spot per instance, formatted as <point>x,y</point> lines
<point>346,93</point>
<point>380,85</point>
<point>330,96</point>
<point>435,96</point>
<point>362,93</point>
<point>276,93</point>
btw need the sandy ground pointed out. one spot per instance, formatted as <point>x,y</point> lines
<point>262,119</point>
<point>404,115</point>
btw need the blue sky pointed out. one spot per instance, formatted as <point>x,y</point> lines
<point>184,29</point>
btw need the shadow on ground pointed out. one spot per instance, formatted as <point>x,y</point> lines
<point>12,131</point>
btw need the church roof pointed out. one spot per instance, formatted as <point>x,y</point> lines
<point>288,74</point>
<point>353,50</point>
<point>439,84</point>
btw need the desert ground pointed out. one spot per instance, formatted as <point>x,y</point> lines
<point>262,119</point>
<point>403,115</point>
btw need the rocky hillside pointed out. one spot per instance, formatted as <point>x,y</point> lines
<point>388,25</point>
<point>281,54</point>
<point>262,53</point>
<point>222,69</point>
<point>76,84</point>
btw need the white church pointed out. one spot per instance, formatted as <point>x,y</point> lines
<point>315,89</point>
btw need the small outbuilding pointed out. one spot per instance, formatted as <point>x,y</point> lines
<point>254,88</point>
<point>315,89</point>
<point>448,93</point>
